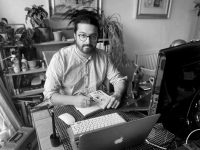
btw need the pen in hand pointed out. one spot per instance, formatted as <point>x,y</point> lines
<point>88,100</point>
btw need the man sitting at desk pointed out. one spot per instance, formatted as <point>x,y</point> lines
<point>79,69</point>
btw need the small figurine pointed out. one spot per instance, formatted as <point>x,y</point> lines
<point>15,61</point>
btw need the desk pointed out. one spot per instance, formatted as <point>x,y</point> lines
<point>42,123</point>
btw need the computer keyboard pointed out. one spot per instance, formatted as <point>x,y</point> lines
<point>97,123</point>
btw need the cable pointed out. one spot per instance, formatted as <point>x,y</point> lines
<point>163,148</point>
<point>186,141</point>
<point>196,94</point>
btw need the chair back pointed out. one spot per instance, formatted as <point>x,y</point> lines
<point>47,55</point>
<point>147,60</point>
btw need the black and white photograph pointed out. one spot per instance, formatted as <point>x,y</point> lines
<point>99,74</point>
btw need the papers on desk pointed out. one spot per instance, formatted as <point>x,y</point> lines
<point>89,110</point>
<point>99,102</point>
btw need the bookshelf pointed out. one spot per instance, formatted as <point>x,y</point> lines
<point>19,84</point>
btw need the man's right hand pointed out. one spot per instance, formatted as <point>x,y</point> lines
<point>82,101</point>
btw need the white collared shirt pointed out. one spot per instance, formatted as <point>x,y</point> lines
<point>70,73</point>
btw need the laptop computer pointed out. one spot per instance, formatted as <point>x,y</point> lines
<point>119,137</point>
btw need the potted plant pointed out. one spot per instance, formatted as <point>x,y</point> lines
<point>26,36</point>
<point>6,31</point>
<point>37,17</point>
<point>3,34</point>
<point>113,30</point>
<point>3,25</point>
<point>27,40</point>
<point>27,51</point>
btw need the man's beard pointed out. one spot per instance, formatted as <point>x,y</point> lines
<point>86,48</point>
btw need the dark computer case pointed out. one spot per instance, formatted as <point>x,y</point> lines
<point>176,90</point>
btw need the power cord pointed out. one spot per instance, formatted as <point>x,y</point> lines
<point>186,141</point>
<point>196,94</point>
<point>148,142</point>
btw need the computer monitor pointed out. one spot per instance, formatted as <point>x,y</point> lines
<point>176,87</point>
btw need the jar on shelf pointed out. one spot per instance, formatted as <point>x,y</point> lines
<point>24,64</point>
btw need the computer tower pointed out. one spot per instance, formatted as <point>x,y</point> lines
<point>23,139</point>
<point>176,90</point>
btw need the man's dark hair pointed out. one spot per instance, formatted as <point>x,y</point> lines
<point>83,16</point>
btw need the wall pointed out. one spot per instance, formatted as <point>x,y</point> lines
<point>14,10</point>
<point>153,34</point>
<point>139,34</point>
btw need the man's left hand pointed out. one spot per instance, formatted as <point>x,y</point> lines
<point>114,101</point>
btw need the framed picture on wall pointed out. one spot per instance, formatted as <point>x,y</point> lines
<point>153,9</point>
<point>58,7</point>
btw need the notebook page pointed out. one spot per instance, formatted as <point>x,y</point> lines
<point>99,101</point>
<point>87,110</point>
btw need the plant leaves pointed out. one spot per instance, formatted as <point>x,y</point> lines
<point>37,14</point>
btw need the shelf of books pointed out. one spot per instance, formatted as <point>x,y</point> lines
<point>28,93</point>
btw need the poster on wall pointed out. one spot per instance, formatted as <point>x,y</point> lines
<point>153,9</point>
<point>59,7</point>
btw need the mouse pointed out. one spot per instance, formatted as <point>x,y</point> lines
<point>67,118</point>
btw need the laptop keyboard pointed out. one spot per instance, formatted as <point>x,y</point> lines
<point>97,123</point>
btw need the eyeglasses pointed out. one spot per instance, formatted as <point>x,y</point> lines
<point>83,37</point>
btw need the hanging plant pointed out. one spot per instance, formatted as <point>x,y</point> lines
<point>113,30</point>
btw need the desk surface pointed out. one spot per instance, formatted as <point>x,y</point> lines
<point>43,125</point>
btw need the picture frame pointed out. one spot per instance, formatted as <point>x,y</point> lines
<point>153,9</point>
<point>58,7</point>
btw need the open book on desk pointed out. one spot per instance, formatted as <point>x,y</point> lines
<point>99,102</point>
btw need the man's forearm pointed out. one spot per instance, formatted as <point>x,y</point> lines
<point>59,99</point>
<point>77,101</point>
<point>120,88</point>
